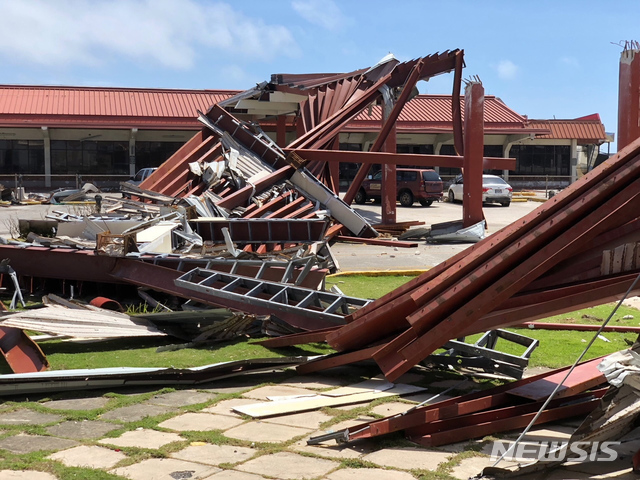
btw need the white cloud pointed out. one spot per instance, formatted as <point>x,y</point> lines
<point>570,61</point>
<point>165,32</point>
<point>507,70</point>
<point>324,13</point>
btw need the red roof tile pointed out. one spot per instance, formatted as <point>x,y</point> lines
<point>582,129</point>
<point>432,113</point>
<point>89,106</point>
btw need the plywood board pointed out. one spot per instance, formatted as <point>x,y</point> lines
<point>269,409</point>
<point>376,384</point>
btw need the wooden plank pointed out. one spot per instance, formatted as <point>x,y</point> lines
<point>376,384</point>
<point>269,409</point>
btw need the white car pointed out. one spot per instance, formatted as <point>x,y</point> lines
<point>494,189</point>
<point>142,175</point>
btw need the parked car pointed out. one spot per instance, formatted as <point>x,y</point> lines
<point>412,184</point>
<point>142,175</point>
<point>494,190</point>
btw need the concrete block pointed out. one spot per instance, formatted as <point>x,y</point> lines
<point>200,422</point>
<point>82,430</point>
<point>134,413</point>
<point>265,432</point>
<point>142,438</point>
<point>28,417</point>
<point>88,456</point>
<point>181,398</point>
<point>33,443</point>
<point>311,420</point>
<point>408,458</point>
<point>90,403</point>
<point>287,465</point>
<point>368,474</point>
<point>214,454</point>
<point>165,469</point>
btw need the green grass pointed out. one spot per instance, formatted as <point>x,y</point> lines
<point>557,348</point>
<point>367,287</point>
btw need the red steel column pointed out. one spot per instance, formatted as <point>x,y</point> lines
<point>389,186</point>
<point>629,97</point>
<point>473,154</point>
<point>281,131</point>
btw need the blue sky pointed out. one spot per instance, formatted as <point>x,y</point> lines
<point>544,59</point>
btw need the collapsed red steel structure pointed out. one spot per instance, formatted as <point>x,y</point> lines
<point>332,100</point>
<point>580,248</point>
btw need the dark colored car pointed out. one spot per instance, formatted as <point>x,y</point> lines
<point>413,184</point>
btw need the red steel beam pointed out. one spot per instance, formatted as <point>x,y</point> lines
<point>377,241</point>
<point>584,377</point>
<point>609,215</point>
<point>501,420</point>
<point>371,158</point>
<point>287,208</point>
<point>578,327</point>
<point>387,314</point>
<point>242,196</point>
<point>473,153</point>
<point>453,407</point>
<point>163,280</point>
<point>281,131</point>
<point>629,97</point>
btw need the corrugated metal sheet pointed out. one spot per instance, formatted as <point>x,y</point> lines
<point>580,129</point>
<point>107,102</point>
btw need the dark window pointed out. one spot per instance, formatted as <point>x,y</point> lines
<point>431,176</point>
<point>22,156</point>
<point>541,159</point>
<point>154,154</point>
<point>403,176</point>
<point>89,157</point>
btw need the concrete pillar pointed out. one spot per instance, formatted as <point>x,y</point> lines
<point>574,160</point>
<point>47,156</point>
<point>628,97</point>
<point>132,151</point>
<point>473,154</point>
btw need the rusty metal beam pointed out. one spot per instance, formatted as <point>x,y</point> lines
<point>449,408</point>
<point>261,230</point>
<point>371,158</point>
<point>610,215</point>
<point>494,421</point>
<point>242,196</point>
<point>377,241</point>
<point>21,353</point>
<point>629,96</point>
<point>473,153</point>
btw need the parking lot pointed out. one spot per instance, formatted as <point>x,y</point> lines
<point>356,257</point>
<point>351,257</point>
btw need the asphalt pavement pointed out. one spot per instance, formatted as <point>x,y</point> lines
<point>358,257</point>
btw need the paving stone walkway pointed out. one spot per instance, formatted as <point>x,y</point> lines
<point>194,434</point>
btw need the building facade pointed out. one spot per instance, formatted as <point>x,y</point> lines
<point>60,136</point>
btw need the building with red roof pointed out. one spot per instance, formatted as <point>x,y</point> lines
<point>50,135</point>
